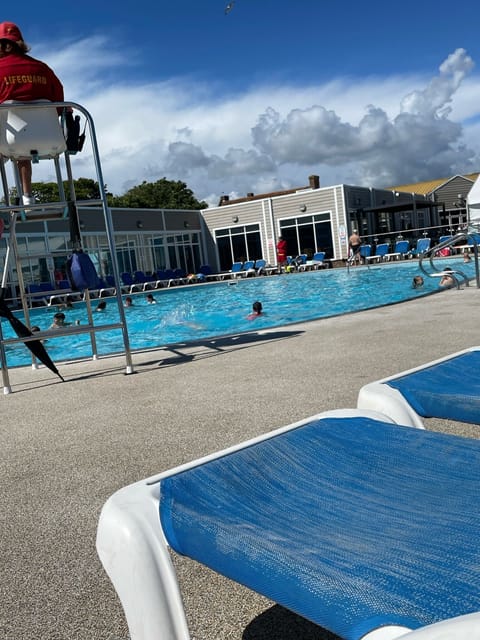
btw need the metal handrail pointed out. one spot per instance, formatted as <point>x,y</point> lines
<point>451,242</point>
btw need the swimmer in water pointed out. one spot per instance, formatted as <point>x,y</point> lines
<point>257,310</point>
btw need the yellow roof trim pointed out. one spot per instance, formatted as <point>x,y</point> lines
<point>428,186</point>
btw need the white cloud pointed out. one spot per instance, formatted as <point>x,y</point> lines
<point>374,130</point>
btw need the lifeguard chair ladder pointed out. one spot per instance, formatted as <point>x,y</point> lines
<point>33,131</point>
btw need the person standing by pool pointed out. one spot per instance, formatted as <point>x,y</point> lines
<point>281,251</point>
<point>24,79</point>
<point>355,243</point>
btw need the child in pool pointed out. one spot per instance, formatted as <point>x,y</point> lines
<point>257,310</point>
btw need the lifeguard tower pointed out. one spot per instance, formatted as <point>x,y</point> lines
<point>37,131</point>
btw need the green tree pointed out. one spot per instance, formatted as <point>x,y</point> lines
<point>85,189</point>
<point>162,194</point>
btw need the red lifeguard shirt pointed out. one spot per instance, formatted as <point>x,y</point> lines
<point>282,250</point>
<point>24,78</point>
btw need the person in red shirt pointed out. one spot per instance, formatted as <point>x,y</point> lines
<point>22,79</point>
<point>281,251</point>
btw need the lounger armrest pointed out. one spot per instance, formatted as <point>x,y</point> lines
<point>134,553</point>
<point>461,628</point>
<point>378,396</point>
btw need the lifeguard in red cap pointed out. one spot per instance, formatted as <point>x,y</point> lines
<point>22,79</point>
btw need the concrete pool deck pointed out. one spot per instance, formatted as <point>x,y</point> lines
<point>67,447</point>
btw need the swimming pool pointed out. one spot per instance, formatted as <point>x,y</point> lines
<point>185,314</point>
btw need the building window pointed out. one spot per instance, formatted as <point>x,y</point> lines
<point>308,234</point>
<point>184,252</point>
<point>238,244</point>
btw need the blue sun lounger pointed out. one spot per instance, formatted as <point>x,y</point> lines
<point>344,518</point>
<point>448,388</point>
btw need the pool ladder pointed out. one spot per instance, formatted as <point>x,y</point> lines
<point>458,276</point>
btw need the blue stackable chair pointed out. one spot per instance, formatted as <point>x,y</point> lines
<point>180,274</point>
<point>259,266</point>
<point>248,268</point>
<point>380,253</point>
<point>366,251</point>
<point>162,279</point>
<point>347,519</point>
<point>318,259</point>
<point>206,269</point>
<point>143,281</point>
<point>400,251</point>
<point>423,245</point>
<point>104,289</point>
<point>129,283</point>
<point>236,269</point>
<point>36,294</point>
<point>448,388</point>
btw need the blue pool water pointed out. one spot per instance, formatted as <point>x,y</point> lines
<point>185,314</point>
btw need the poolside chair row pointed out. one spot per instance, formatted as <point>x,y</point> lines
<point>354,519</point>
<point>401,250</point>
<point>250,268</point>
<point>49,294</point>
<point>318,261</point>
<point>139,281</point>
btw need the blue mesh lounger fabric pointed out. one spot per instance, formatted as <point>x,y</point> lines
<point>449,390</point>
<point>350,522</point>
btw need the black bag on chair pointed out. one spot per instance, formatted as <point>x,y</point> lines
<point>75,140</point>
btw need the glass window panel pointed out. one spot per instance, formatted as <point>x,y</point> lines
<point>106,264</point>
<point>22,245</point>
<point>196,258</point>
<point>224,253</point>
<point>301,220</point>
<point>254,246</point>
<point>44,272</point>
<point>57,243</point>
<point>36,245</point>
<point>290,235</point>
<point>307,239</point>
<point>239,248</point>
<point>324,240</point>
<point>172,255</point>
<point>188,264</point>
<point>321,217</point>
<point>159,258</point>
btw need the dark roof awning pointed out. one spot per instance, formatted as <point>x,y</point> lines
<point>404,206</point>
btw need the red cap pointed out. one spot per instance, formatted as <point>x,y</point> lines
<point>10,31</point>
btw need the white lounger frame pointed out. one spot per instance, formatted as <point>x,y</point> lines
<point>379,396</point>
<point>134,552</point>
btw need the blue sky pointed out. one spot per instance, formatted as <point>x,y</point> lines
<point>261,97</point>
